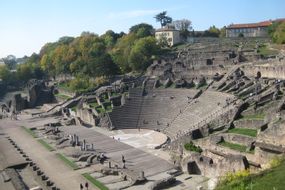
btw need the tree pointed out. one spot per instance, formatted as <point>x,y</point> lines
<point>163,18</point>
<point>222,32</point>
<point>110,38</point>
<point>24,72</point>
<point>142,30</point>
<point>122,50</point>
<point>5,73</point>
<point>184,26</point>
<point>213,31</point>
<point>277,32</point>
<point>143,52</point>
<point>10,61</point>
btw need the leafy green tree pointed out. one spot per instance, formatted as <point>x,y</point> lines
<point>65,40</point>
<point>213,31</point>
<point>10,61</point>
<point>142,30</point>
<point>5,73</point>
<point>122,50</point>
<point>81,82</point>
<point>110,38</point>
<point>142,53</point>
<point>163,18</point>
<point>277,32</point>
<point>222,32</point>
<point>24,72</point>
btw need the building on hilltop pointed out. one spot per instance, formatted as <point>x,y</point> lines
<point>168,34</point>
<point>248,30</point>
<point>259,29</point>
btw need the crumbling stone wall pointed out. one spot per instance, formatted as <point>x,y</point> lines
<point>270,69</point>
<point>87,116</point>
<point>204,165</point>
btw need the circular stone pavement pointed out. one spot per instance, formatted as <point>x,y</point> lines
<point>140,138</point>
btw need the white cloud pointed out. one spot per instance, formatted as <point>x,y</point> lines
<point>132,14</point>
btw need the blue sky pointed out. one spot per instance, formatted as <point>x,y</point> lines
<point>26,25</point>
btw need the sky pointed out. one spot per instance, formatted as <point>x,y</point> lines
<point>26,25</point>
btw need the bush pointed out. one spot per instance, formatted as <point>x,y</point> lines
<point>277,32</point>
<point>230,177</point>
<point>192,147</point>
<point>276,161</point>
<point>100,81</point>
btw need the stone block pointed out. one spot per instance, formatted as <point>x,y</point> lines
<point>39,172</point>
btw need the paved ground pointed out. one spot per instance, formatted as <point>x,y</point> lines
<point>62,175</point>
<point>136,159</point>
<point>141,138</point>
<point>141,158</point>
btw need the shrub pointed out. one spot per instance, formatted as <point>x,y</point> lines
<point>192,147</point>
<point>276,161</point>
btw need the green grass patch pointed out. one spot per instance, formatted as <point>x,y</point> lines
<point>253,117</point>
<point>265,51</point>
<point>100,109</point>
<point>108,108</point>
<point>233,146</point>
<point>94,181</point>
<point>93,104</point>
<point>65,86</point>
<point>63,96</point>
<point>270,179</point>
<point>46,145</point>
<point>115,94</point>
<point>31,132</point>
<point>244,131</point>
<point>68,162</point>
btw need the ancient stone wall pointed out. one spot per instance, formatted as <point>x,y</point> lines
<point>200,164</point>
<point>87,116</point>
<point>270,69</point>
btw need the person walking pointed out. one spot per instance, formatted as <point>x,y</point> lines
<point>86,185</point>
<point>81,186</point>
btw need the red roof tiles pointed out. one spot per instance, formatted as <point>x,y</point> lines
<point>250,25</point>
<point>255,25</point>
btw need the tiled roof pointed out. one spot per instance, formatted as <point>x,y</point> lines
<point>250,25</point>
<point>255,25</point>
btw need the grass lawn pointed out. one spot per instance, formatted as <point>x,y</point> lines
<point>244,131</point>
<point>115,94</point>
<point>270,179</point>
<point>252,117</point>
<point>95,182</point>
<point>67,161</point>
<point>63,96</point>
<point>31,132</point>
<point>109,108</point>
<point>64,86</point>
<point>100,110</point>
<point>265,51</point>
<point>46,145</point>
<point>233,146</point>
<point>93,104</point>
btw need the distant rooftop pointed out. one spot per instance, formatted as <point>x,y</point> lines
<point>251,25</point>
<point>255,25</point>
<point>166,28</point>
